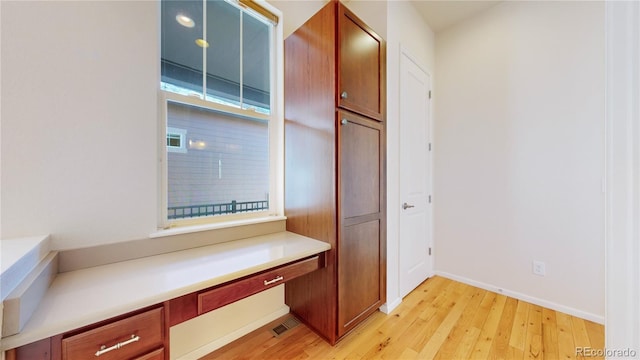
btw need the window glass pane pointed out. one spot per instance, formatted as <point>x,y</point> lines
<point>234,52</point>
<point>255,62</point>
<point>181,58</point>
<point>173,140</point>
<point>225,168</point>
<point>223,53</point>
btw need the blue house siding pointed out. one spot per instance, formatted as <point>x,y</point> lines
<point>226,158</point>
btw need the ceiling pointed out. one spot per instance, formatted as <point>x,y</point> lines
<point>182,59</point>
<point>444,13</point>
<point>439,14</point>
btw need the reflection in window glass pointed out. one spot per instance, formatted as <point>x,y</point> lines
<point>223,53</point>
<point>235,47</point>
<point>255,62</point>
<point>181,58</point>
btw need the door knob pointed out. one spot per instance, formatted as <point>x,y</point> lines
<point>343,95</point>
<point>406,206</point>
<point>344,121</point>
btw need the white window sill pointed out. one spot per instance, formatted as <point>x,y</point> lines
<point>221,225</point>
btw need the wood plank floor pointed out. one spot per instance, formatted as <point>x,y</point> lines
<point>441,319</point>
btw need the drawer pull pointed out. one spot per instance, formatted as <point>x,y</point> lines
<point>105,349</point>
<point>272,281</point>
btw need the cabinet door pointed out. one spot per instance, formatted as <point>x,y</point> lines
<point>361,277</point>
<point>361,57</point>
<point>359,165</point>
<point>359,291</point>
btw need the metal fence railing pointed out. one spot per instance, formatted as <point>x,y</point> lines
<point>181,212</point>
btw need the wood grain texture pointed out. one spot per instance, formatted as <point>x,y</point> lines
<point>239,289</point>
<point>359,165</point>
<point>158,354</point>
<point>39,350</point>
<point>359,291</point>
<point>10,354</point>
<point>181,309</point>
<point>361,283</point>
<point>148,326</point>
<point>310,149</point>
<point>361,54</point>
<point>441,319</point>
<point>331,185</point>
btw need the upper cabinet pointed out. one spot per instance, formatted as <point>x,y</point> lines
<point>361,54</point>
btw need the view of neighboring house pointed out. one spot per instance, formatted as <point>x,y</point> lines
<point>216,163</point>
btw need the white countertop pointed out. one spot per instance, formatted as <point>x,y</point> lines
<point>17,258</point>
<point>12,250</point>
<point>82,297</point>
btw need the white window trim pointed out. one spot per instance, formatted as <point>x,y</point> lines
<point>276,149</point>
<point>214,226</point>
<point>183,138</point>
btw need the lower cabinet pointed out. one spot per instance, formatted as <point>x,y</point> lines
<point>360,291</point>
<point>360,260</point>
<point>131,338</point>
<point>349,214</point>
<point>144,334</point>
<point>134,336</point>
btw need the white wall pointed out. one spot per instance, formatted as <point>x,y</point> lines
<point>373,13</point>
<point>296,13</point>
<point>519,152</point>
<point>79,155</point>
<point>406,28</point>
<point>208,332</point>
<point>79,120</point>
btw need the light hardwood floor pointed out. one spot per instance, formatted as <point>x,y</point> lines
<point>441,319</point>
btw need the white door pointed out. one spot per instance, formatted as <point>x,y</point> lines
<point>415,175</point>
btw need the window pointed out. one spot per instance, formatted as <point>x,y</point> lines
<point>176,140</point>
<point>219,87</point>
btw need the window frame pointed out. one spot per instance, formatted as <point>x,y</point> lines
<point>276,140</point>
<point>182,134</point>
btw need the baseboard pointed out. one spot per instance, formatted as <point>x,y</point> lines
<point>389,306</point>
<point>520,296</point>
<point>218,343</point>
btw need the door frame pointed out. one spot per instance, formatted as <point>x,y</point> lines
<point>622,185</point>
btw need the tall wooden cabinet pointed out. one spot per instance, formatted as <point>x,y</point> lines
<point>335,167</point>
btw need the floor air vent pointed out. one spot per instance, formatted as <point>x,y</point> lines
<point>290,323</point>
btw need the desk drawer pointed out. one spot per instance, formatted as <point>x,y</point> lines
<point>226,294</point>
<point>127,338</point>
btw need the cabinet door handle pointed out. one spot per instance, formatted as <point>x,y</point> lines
<point>104,349</point>
<point>344,95</point>
<point>272,281</point>
<point>406,206</point>
<point>344,121</point>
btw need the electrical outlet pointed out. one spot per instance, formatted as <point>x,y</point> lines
<point>538,268</point>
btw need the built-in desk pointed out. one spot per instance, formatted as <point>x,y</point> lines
<point>212,275</point>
